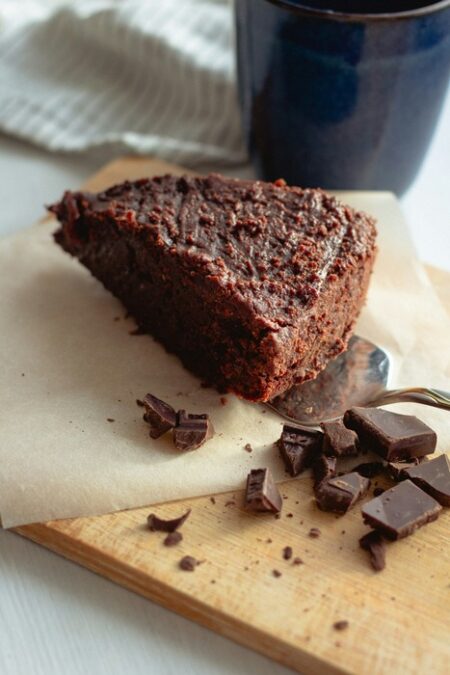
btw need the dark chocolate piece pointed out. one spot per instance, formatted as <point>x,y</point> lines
<point>276,573</point>
<point>192,431</point>
<point>340,625</point>
<point>369,469</point>
<point>188,563</point>
<point>173,538</point>
<point>160,415</point>
<point>159,524</point>
<point>374,543</point>
<point>262,494</point>
<point>297,561</point>
<point>255,286</point>
<point>398,512</point>
<point>396,470</point>
<point>377,491</point>
<point>338,441</point>
<point>339,494</point>
<point>298,448</point>
<point>287,552</point>
<point>248,447</point>
<point>393,436</point>
<point>314,533</point>
<point>433,477</point>
<point>324,468</point>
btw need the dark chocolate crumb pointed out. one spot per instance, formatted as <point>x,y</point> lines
<point>188,563</point>
<point>110,419</point>
<point>231,502</point>
<point>173,538</point>
<point>213,581</point>
<point>314,532</point>
<point>287,552</point>
<point>277,516</point>
<point>139,403</point>
<point>276,573</point>
<point>248,447</point>
<point>212,500</point>
<point>289,515</point>
<point>268,541</point>
<point>378,491</point>
<point>297,561</point>
<point>342,531</point>
<point>340,625</point>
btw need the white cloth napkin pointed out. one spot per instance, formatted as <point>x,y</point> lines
<point>151,76</point>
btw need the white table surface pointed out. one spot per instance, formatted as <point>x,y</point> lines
<point>58,618</point>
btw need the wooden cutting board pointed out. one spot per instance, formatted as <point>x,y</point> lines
<point>398,620</point>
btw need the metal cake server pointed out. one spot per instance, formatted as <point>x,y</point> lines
<point>358,377</point>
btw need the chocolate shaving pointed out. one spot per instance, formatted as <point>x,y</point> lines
<point>157,524</point>
<point>374,543</point>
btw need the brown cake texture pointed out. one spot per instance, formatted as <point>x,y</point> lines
<point>254,285</point>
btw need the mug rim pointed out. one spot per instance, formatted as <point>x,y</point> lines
<point>358,16</point>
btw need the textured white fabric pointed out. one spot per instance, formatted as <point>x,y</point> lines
<point>155,76</point>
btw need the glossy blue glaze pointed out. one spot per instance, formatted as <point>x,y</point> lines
<point>341,100</point>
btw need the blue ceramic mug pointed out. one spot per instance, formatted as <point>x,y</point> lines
<point>341,93</point>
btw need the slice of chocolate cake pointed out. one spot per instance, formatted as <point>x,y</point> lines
<point>255,286</point>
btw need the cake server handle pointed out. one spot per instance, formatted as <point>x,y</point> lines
<point>432,397</point>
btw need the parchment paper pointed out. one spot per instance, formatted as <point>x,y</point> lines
<point>68,363</point>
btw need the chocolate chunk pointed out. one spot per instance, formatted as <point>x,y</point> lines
<point>188,563</point>
<point>276,573</point>
<point>160,415</point>
<point>248,447</point>
<point>314,533</point>
<point>324,468</point>
<point>339,494</point>
<point>338,441</point>
<point>340,625</point>
<point>396,470</point>
<point>297,561</point>
<point>374,543</point>
<point>298,448</point>
<point>158,524</point>
<point>192,431</point>
<point>287,552</point>
<point>173,538</point>
<point>262,494</point>
<point>393,436</point>
<point>433,477</point>
<point>398,512</point>
<point>369,469</point>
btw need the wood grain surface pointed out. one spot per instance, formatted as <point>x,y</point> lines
<point>398,620</point>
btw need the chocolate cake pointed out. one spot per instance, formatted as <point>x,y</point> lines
<point>254,285</point>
